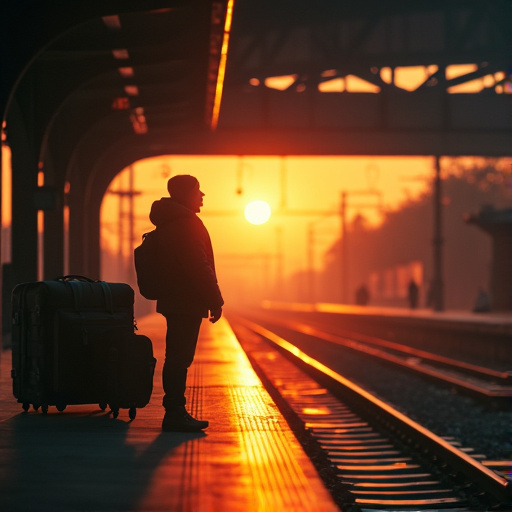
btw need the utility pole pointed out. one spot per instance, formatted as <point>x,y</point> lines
<point>279,282</point>
<point>310,263</point>
<point>344,242</point>
<point>437,285</point>
<point>344,249</point>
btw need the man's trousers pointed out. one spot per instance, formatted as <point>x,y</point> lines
<point>180,347</point>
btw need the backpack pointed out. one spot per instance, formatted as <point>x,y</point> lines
<point>148,267</point>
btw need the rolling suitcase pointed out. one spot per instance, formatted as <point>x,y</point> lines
<point>62,335</point>
<point>130,372</point>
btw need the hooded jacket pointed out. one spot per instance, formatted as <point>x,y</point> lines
<point>187,256</point>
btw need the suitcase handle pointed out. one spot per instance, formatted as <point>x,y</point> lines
<point>75,277</point>
<point>78,293</point>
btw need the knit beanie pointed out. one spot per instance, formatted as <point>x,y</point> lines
<point>181,185</point>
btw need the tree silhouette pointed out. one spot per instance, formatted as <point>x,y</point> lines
<point>406,234</point>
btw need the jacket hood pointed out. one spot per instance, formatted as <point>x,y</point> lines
<point>167,210</point>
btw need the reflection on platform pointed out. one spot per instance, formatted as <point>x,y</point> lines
<point>83,459</point>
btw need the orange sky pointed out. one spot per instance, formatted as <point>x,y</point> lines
<point>300,185</point>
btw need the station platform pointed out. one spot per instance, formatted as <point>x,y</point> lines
<point>82,459</point>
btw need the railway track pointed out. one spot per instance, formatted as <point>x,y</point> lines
<point>481,382</point>
<point>382,458</point>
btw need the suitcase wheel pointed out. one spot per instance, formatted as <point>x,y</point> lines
<point>103,406</point>
<point>44,409</point>
<point>60,407</point>
<point>26,406</point>
<point>115,413</point>
<point>132,413</point>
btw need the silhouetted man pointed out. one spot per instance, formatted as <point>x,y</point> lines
<point>192,292</point>
<point>412,294</point>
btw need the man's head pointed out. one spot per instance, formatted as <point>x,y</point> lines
<point>184,189</point>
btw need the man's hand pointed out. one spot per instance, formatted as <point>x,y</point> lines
<point>215,314</point>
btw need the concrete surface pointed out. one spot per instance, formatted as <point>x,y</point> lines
<point>84,460</point>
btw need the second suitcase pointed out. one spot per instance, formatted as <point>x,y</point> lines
<point>131,367</point>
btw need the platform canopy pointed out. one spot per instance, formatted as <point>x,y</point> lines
<point>108,69</point>
<point>87,87</point>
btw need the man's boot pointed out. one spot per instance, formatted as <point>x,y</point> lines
<point>177,419</point>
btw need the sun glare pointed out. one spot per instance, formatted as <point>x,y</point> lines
<point>257,212</point>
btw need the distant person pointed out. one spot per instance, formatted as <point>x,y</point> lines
<point>362,296</point>
<point>192,292</point>
<point>412,294</point>
<point>483,302</point>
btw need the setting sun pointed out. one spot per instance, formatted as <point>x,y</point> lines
<point>303,196</point>
<point>257,212</point>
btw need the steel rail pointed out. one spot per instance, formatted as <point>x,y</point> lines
<point>360,343</point>
<point>469,368</point>
<point>392,419</point>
